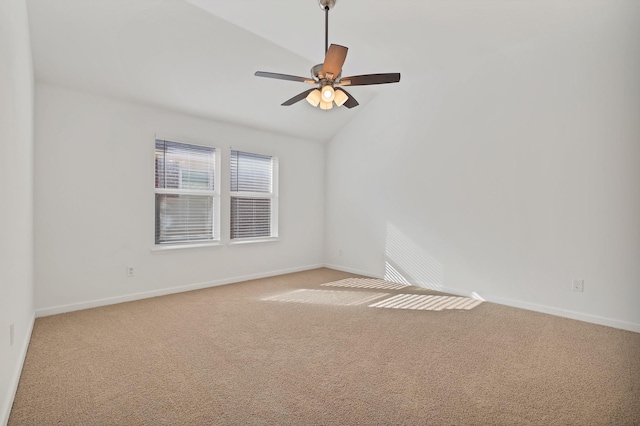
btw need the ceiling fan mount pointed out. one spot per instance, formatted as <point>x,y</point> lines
<point>327,76</point>
<point>324,4</point>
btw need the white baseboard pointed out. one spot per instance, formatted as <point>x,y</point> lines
<point>351,270</point>
<point>5,411</point>
<point>594,319</point>
<point>54,310</point>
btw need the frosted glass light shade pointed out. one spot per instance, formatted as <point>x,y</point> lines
<point>328,93</point>
<point>314,97</point>
<point>340,97</point>
<point>326,105</point>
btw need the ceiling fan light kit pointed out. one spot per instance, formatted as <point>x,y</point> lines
<point>326,105</point>
<point>340,97</point>
<point>314,97</point>
<point>328,75</point>
<point>328,94</point>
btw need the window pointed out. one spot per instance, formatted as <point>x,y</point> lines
<point>187,197</point>
<point>253,196</point>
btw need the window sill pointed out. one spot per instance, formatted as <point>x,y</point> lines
<point>167,248</point>
<point>253,241</point>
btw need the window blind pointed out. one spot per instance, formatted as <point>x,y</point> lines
<point>252,195</point>
<point>251,172</point>
<point>250,217</point>
<point>185,192</point>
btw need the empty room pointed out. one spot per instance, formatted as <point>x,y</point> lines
<point>331,212</point>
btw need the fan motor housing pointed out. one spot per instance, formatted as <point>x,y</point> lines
<point>316,70</point>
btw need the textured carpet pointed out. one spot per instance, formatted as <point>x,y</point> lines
<point>245,354</point>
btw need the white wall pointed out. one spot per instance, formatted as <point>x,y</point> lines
<point>95,203</point>
<point>507,179</point>
<point>16,209</point>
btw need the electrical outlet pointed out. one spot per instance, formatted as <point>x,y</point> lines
<point>577,285</point>
<point>11,334</point>
<point>130,271</point>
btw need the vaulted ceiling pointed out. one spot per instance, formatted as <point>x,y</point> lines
<point>199,56</point>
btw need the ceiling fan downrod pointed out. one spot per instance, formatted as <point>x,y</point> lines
<point>326,29</point>
<point>326,5</point>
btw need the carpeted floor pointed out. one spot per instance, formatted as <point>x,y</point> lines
<point>287,350</point>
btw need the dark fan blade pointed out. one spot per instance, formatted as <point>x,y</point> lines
<point>351,102</point>
<point>284,77</point>
<point>364,80</point>
<point>297,98</point>
<point>334,60</point>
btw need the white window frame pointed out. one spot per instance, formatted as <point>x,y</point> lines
<point>215,240</point>
<point>273,196</point>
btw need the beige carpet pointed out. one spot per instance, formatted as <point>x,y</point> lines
<point>238,355</point>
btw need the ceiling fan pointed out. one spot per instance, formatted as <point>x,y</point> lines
<point>328,75</point>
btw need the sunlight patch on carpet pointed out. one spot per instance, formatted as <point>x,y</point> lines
<point>327,297</point>
<point>366,283</point>
<point>426,302</point>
